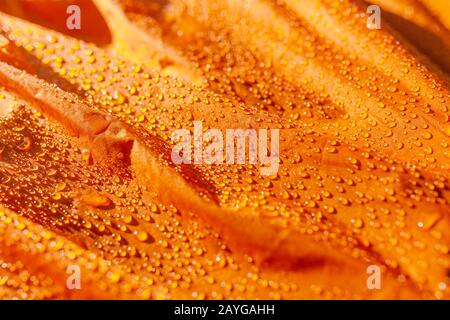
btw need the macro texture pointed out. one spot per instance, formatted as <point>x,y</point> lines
<point>87,178</point>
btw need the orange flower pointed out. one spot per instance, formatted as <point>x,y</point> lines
<point>86,177</point>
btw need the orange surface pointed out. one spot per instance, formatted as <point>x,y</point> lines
<point>86,178</point>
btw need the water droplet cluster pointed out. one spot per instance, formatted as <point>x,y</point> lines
<point>364,159</point>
